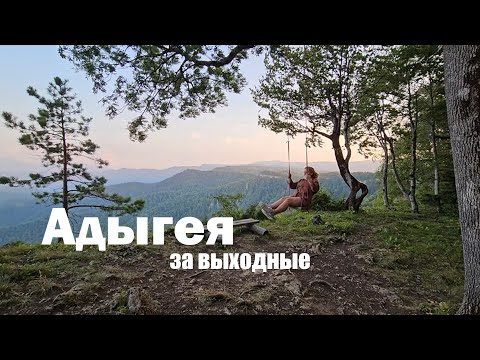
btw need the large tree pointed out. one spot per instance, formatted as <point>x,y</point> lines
<point>314,90</point>
<point>60,134</point>
<point>462,89</point>
<point>155,80</point>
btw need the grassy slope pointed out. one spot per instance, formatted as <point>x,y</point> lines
<point>419,255</point>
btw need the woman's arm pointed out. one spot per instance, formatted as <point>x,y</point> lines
<point>293,185</point>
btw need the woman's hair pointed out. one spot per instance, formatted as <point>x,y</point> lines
<point>311,172</point>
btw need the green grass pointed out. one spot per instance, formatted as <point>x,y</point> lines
<point>34,269</point>
<point>23,262</point>
<point>421,252</point>
<point>25,272</point>
<point>299,225</point>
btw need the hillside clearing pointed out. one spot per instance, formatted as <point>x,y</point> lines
<point>367,263</point>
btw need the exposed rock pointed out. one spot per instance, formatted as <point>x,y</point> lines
<point>392,297</point>
<point>295,287</point>
<point>368,258</point>
<point>73,293</point>
<point>134,302</point>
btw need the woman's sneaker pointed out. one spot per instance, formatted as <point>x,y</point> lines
<point>262,205</point>
<point>268,213</point>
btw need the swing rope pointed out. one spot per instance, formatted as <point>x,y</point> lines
<point>288,153</point>
<point>287,191</point>
<point>306,147</point>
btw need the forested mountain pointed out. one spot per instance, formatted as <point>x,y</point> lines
<point>189,193</point>
<point>120,176</point>
<point>124,175</point>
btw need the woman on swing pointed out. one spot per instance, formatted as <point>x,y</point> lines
<point>302,198</point>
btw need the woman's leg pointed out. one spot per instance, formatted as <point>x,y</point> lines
<point>289,201</point>
<point>278,202</point>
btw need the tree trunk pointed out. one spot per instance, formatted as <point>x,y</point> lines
<point>413,167</point>
<point>386,202</point>
<point>462,89</point>
<point>395,172</point>
<point>65,163</point>
<point>436,173</point>
<point>413,155</point>
<point>352,202</point>
<point>383,143</point>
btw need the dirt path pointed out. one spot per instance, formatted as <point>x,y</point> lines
<point>339,281</point>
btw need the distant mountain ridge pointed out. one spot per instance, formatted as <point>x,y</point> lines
<point>125,175</point>
<point>323,166</point>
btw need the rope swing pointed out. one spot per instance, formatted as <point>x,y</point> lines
<point>288,149</point>
<point>288,152</point>
<point>306,147</point>
<point>287,191</point>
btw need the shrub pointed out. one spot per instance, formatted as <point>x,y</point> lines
<point>229,206</point>
<point>322,201</point>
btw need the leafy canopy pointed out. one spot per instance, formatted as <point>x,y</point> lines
<point>155,80</point>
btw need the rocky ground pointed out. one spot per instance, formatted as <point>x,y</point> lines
<point>139,280</point>
<point>372,262</point>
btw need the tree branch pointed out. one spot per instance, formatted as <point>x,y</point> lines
<point>322,134</point>
<point>89,206</point>
<point>215,63</point>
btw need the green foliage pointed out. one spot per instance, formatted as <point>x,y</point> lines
<point>404,98</point>
<point>59,133</point>
<point>229,206</point>
<point>314,83</point>
<point>437,308</point>
<point>4,180</point>
<point>158,79</point>
<point>253,212</point>
<point>322,201</point>
<point>314,90</point>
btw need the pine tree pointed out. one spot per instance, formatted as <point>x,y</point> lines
<point>59,132</point>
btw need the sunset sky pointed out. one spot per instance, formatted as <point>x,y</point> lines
<point>230,136</point>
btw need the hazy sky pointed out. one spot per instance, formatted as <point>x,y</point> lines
<point>230,136</point>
